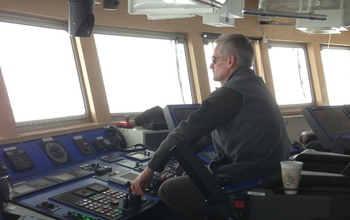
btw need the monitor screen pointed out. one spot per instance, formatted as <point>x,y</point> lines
<point>334,121</point>
<point>328,122</point>
<point>174,114</point>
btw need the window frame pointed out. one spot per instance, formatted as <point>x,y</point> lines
<point>151,35</point>
<point>334,47</point>
<point>292,108</point>
<point>212,83</point>
<point>59,121</point>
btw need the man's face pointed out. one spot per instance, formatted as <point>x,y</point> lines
<point>219,66</point>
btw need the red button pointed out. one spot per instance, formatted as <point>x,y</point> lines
<point>239,204</point>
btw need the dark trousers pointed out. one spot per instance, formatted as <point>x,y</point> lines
<point>185,200</point>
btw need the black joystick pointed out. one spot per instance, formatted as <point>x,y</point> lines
<point>131,198</point>
<point>3,169</point>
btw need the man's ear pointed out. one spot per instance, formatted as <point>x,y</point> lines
<point>232,61</point>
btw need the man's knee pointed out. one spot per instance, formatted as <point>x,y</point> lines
<point>165,191</point>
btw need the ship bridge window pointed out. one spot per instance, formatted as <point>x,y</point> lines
<point>209,47</point>
<point>40,72</point>
<point>141,70</point>
<point>336,68</point>
<point>290,74</point>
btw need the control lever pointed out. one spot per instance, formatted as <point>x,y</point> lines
<point>155,184</point>
<point>6,190</point>
<point>131,198</point>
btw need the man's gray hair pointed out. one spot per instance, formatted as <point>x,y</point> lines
<point>237,45</point>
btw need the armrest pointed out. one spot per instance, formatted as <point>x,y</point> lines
<point>324,161</point>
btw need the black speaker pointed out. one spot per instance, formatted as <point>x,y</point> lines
<point>81,17</point>
<point>110,4</point>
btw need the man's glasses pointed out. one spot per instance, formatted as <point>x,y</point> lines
<point>214,59</point>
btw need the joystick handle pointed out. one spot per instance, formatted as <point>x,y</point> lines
<point>127,184</point>
<point>132,198</point>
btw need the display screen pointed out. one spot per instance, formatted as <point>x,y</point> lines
<point>23,189</point>
<point>139,156</point>
<point>334,120</point>
<point>64,176</point>
<point>174,114</point>
<point>182,114</point>
<point>129,176</point>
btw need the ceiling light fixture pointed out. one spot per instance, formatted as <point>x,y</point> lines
<point>261,11</point>
<point>160,7</point>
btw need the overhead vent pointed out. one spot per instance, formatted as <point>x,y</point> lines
<point>169,7</point>
<point>169,16</point>
<point>218,20</point>
<point>218,13</point>
<point>311,16</point>
<point>225,17</point>
<point>338,21</point>
<point>264,12</point>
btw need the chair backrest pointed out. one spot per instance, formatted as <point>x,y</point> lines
<point>199,174</point>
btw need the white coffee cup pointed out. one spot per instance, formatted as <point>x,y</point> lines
<point>291,174</point>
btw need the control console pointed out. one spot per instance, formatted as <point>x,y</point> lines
<point>77,176</point>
